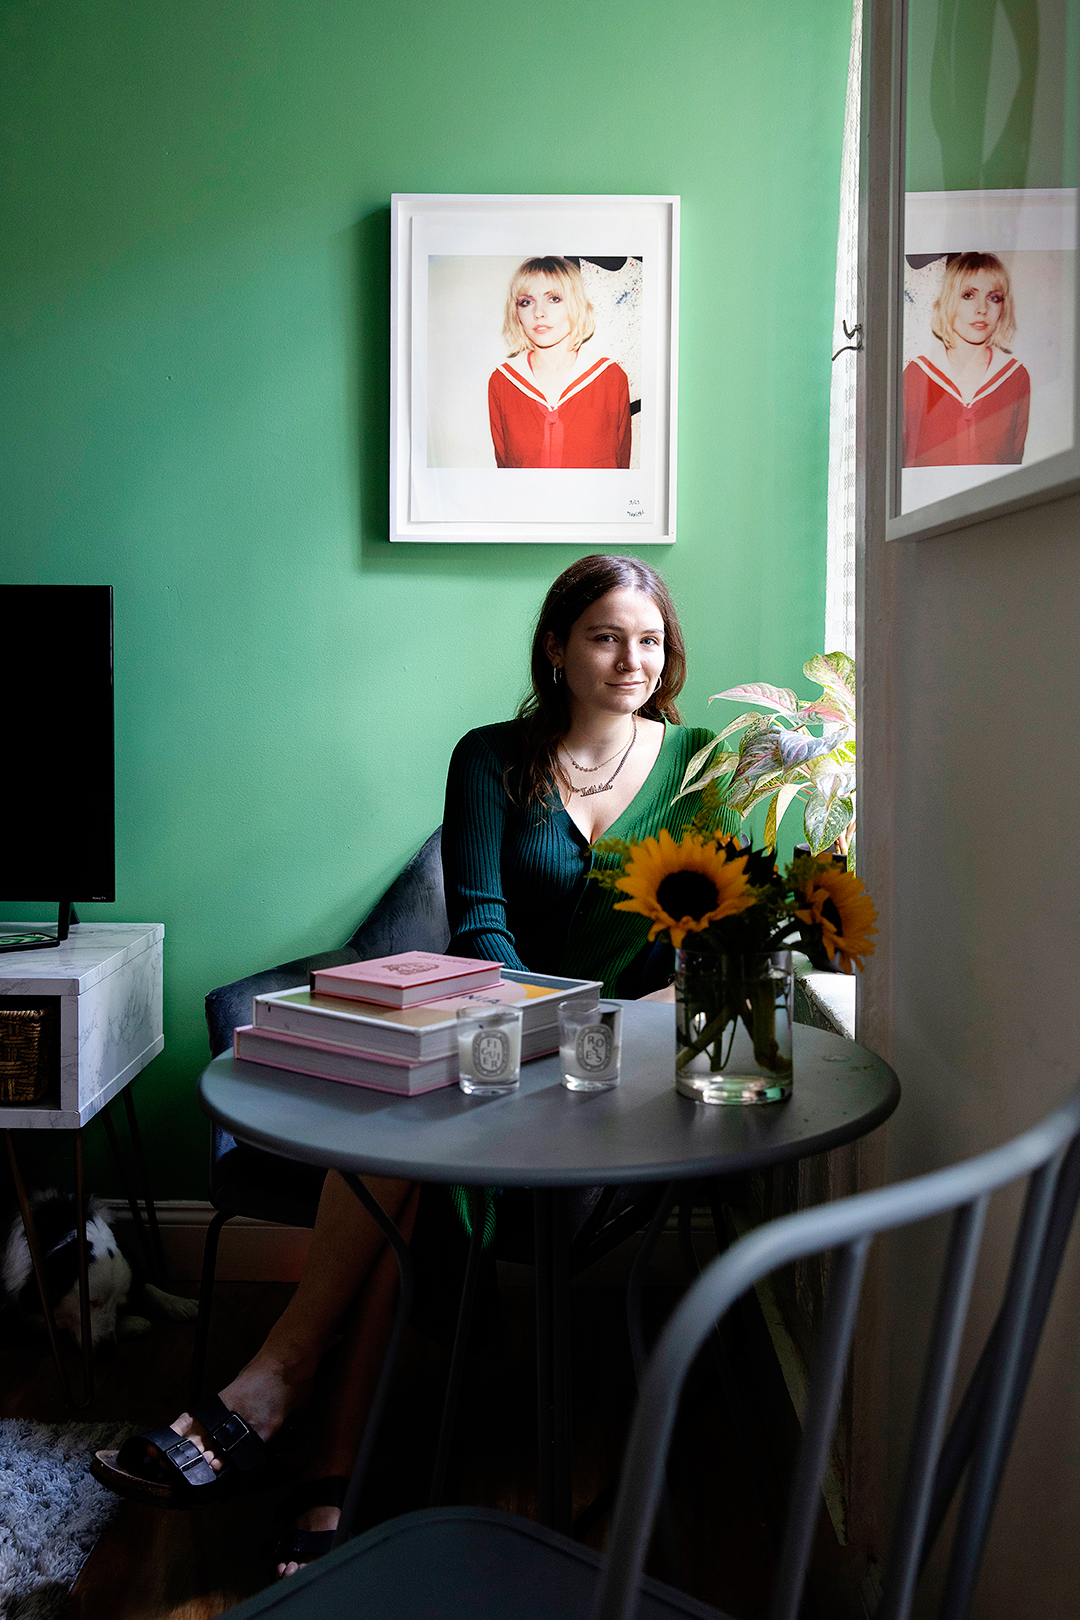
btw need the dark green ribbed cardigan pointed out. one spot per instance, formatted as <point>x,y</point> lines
<point>517,888</point>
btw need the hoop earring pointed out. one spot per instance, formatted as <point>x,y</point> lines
<point>556,673</point>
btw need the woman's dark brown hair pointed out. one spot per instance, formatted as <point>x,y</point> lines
<point>545,713</point>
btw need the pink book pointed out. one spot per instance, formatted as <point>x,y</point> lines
<point>378,1072</point>
<point>406,979</point>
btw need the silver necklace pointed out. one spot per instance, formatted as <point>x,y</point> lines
<point>601,787</point>
<point>585,769</point>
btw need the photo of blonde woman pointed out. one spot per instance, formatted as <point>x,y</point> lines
<point>549,403</point>
<point>967,400</point>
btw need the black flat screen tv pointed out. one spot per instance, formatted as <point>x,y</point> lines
<point>57,837</point>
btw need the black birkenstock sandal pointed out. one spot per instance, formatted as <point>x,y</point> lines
<point>181,1476</point>
<point>295,1546</point>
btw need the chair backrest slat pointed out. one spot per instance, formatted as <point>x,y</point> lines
<point>1003,1396</point>
<point>986,1421</point>
<point>957,1450</point>
<point>916,1498</point>
<point>826,1385</point>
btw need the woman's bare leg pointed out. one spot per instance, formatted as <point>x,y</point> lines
<point>345,1247</point>
<point>367,1334</point>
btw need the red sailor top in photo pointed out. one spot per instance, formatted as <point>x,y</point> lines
<point>941,429</point>
<point>590,426</point>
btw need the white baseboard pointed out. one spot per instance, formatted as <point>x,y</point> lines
<point>248,1251</point>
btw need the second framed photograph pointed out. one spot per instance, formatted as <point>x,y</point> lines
<point>533,368</point>
<point>985,384</point>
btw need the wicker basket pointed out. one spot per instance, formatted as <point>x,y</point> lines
<point>29,1050</point>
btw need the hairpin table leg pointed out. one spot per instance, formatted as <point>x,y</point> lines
<point>635,1328</point>
<point>461,1345</point>
<point>85,1333</point>
<point>553,1397</point>
<point>137,1222</point>
<point>144,1178</point>
<point>39,1269</point>
<point>401,1317</point>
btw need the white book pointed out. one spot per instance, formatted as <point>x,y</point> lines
<point>418,1033</point>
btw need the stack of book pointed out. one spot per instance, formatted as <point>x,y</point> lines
<point>391,1023</point>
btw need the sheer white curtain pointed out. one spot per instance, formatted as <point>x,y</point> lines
<point>840,558</point>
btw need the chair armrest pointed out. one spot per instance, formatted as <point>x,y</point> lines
<point>230,1006</point>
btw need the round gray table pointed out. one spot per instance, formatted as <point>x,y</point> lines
<point>551,1139</point>
<point>545,1136</point>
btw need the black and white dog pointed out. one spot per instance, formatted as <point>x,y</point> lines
<point>121,1299</point>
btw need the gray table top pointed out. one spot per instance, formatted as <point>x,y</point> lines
<point>545,1136</point>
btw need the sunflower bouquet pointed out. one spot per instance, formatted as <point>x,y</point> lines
<point>733,916</point>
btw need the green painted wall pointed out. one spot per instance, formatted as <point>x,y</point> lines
<point>194,397</point>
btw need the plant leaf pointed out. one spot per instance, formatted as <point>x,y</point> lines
<point>752,718</point>
<point>830,778</point>
<point>799,747</point>
<point>777,810</point>
<point>719,767</point>
<point>773,697</point>
<point>760,752</point>
<point>834,671</point>
<point>697,762</point>
<point>837,821</point>
<point>824,819</point>
<point>754,794</point>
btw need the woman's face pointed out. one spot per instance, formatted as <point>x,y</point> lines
<point>614,654</point>
<point>543,313</point>
<point>979,308</point>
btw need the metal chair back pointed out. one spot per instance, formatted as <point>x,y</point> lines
<point>977,1443</point>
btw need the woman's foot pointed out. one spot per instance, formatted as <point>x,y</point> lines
<point>310,1514</point>
<point>264,1394</point>
<point>316,1519</point>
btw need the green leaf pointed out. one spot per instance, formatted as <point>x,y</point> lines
<point>777,810</point>
<point>830,777</point>
<point>824,819</point>
<point>833,670</point>
<point>720,766</point>
<point>837,821</point>
<point>697,762</point>
<point>753,794</point>
<point>752,718</point>
<point>773,697</point>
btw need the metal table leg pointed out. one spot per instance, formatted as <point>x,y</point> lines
<point>401,1317</point>
<point>553,1399</point>
<point>84,1275</point>
<point>144,1177</point>
<point>36,1261</point>
<point>137,1222</point>
<point>461,1345</point>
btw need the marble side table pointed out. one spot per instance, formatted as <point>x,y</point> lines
<point>107,980</point>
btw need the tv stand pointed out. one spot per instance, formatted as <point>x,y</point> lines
<point>39,942</point>
<point>105,979</point>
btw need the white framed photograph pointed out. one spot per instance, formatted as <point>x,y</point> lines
<point>986,390</point>
<point>533,368</point>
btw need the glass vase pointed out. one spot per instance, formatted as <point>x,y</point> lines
<point>733,1018</point>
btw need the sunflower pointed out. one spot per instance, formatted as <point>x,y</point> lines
<point>838,904</point>
<point>683,887</point>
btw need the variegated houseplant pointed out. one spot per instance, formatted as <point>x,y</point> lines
<point>796,751</point>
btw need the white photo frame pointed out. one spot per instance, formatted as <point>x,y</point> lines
<point>452,259</point>
<point>1033,233</point>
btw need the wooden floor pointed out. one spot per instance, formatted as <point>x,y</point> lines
<point>153,1564</point>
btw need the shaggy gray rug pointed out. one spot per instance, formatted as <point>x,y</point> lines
<point>51,1511</point>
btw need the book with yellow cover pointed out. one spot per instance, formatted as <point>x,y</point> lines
<point>417,1033</point>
